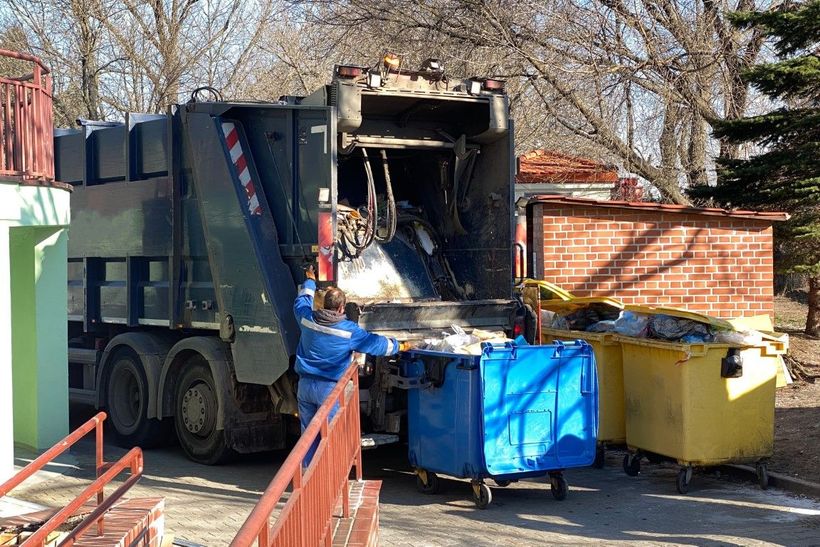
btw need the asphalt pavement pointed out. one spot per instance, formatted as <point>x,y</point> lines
<point>208,504</point>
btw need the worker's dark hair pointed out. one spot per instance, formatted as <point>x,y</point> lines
<point>335,299</point>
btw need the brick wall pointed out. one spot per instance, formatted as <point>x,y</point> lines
<point>719,265</point>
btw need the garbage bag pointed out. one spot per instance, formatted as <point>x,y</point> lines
<point>666,327</point>
<point>461,342</point>
<point>739,338</point>
<point>631,324</point>
<point>460,339</point>
<point>486,335</point>
<point>559,322</point>
<point>602,326</point>
<point>582,318</point>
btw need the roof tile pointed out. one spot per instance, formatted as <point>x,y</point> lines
<point>538,166</point>
<point>773,216</point>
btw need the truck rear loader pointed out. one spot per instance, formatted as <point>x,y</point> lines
<point>191,231</point>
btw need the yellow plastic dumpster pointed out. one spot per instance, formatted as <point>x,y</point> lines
<point>608,361</point>
<point>690,403</point>
<point>608,364</point>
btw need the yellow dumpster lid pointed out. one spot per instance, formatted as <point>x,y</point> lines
<point>779,337</point>
<point>547,290</point>
<point>762,324</point>
<point>683,314</point>
<point>754,322</point>
<point>580,302</point>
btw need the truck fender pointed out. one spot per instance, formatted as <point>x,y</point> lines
<point>151,349</point>
<point>216,354</point>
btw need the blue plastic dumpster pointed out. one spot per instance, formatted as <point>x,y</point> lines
<point>513,412</point>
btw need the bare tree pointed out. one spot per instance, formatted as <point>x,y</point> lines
<point>161,43</point>
<point>110,57</point>
<point>67,38</point>
<point>591,62</point>
<point>633,82</point>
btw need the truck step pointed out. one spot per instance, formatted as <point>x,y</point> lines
<point>373,440</point>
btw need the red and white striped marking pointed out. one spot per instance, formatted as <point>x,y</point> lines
<point>241,164</point>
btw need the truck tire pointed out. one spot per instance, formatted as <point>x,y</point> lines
<point>127,403</point>
<point>195,415</point>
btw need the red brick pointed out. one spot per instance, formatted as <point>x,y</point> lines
<point>636,254</point>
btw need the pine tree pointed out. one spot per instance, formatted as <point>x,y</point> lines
<point>786,176</point>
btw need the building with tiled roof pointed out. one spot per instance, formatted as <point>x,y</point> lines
<point>548,172</point>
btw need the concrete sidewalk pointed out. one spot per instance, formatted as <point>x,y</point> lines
<point>208,504</point>
<point>603,506</point>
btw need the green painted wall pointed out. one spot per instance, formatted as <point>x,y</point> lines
<point>39,371</point>
<point>23,335</point>
<point>33,295</point>
<point>6,403</point>
<point>50,274</point>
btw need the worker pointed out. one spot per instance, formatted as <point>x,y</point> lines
<point>327,344</point>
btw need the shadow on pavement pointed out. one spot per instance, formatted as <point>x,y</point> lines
<point>208,504</point>
<point>602,506</point>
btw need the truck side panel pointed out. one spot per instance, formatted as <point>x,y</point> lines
<point>242,249</point>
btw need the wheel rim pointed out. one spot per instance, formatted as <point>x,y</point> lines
<point>485,496</point>
<point>125,399</point>
<point>199,409</point>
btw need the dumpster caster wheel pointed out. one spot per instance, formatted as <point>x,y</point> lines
<point>632,465</point>
<point>430,486</point>
<point>502,483</point>
<point>684,478</point>
<point>559,487</point>
<point>600,458</point>
<point>762,475</point>
<point>482,495</point>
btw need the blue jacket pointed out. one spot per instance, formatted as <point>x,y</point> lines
<point>326,349</point>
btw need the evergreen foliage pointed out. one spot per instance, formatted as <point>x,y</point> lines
<point>786,175</point>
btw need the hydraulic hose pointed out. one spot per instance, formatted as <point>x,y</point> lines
<point>372,203</point>
<point>391,201</point>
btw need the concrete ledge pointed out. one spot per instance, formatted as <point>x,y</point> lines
<point>778,480</point>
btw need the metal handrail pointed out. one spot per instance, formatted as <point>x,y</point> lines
<point>26,122</point>
<point>95,424</point>
<point>306,517</point>
<point>133,460</point>
<point>25,57</point>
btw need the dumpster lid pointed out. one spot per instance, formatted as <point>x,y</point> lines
<point>520,399</point>
<point>577,302</point>
<point>683,314</point>
<point>753,322</point>
<point>547,290</point>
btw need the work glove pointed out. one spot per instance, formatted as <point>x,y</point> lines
<point>405,346</point>
<point>310,273</point>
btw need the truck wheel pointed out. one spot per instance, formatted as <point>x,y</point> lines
<point>127,403</point>
<point>196,408</point>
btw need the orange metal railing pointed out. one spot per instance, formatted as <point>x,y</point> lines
<point>26,122</point>
<point>105,474</point>
<point>306,517</point>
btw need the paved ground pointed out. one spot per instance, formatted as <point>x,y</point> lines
<point>208,504</point>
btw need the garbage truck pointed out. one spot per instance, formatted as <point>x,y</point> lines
<point>191,231</point>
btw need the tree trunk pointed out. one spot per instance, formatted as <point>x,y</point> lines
<point>87,48</point>
<point>696,171</point>
<point>667,181</point>
<point>813,317</point>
